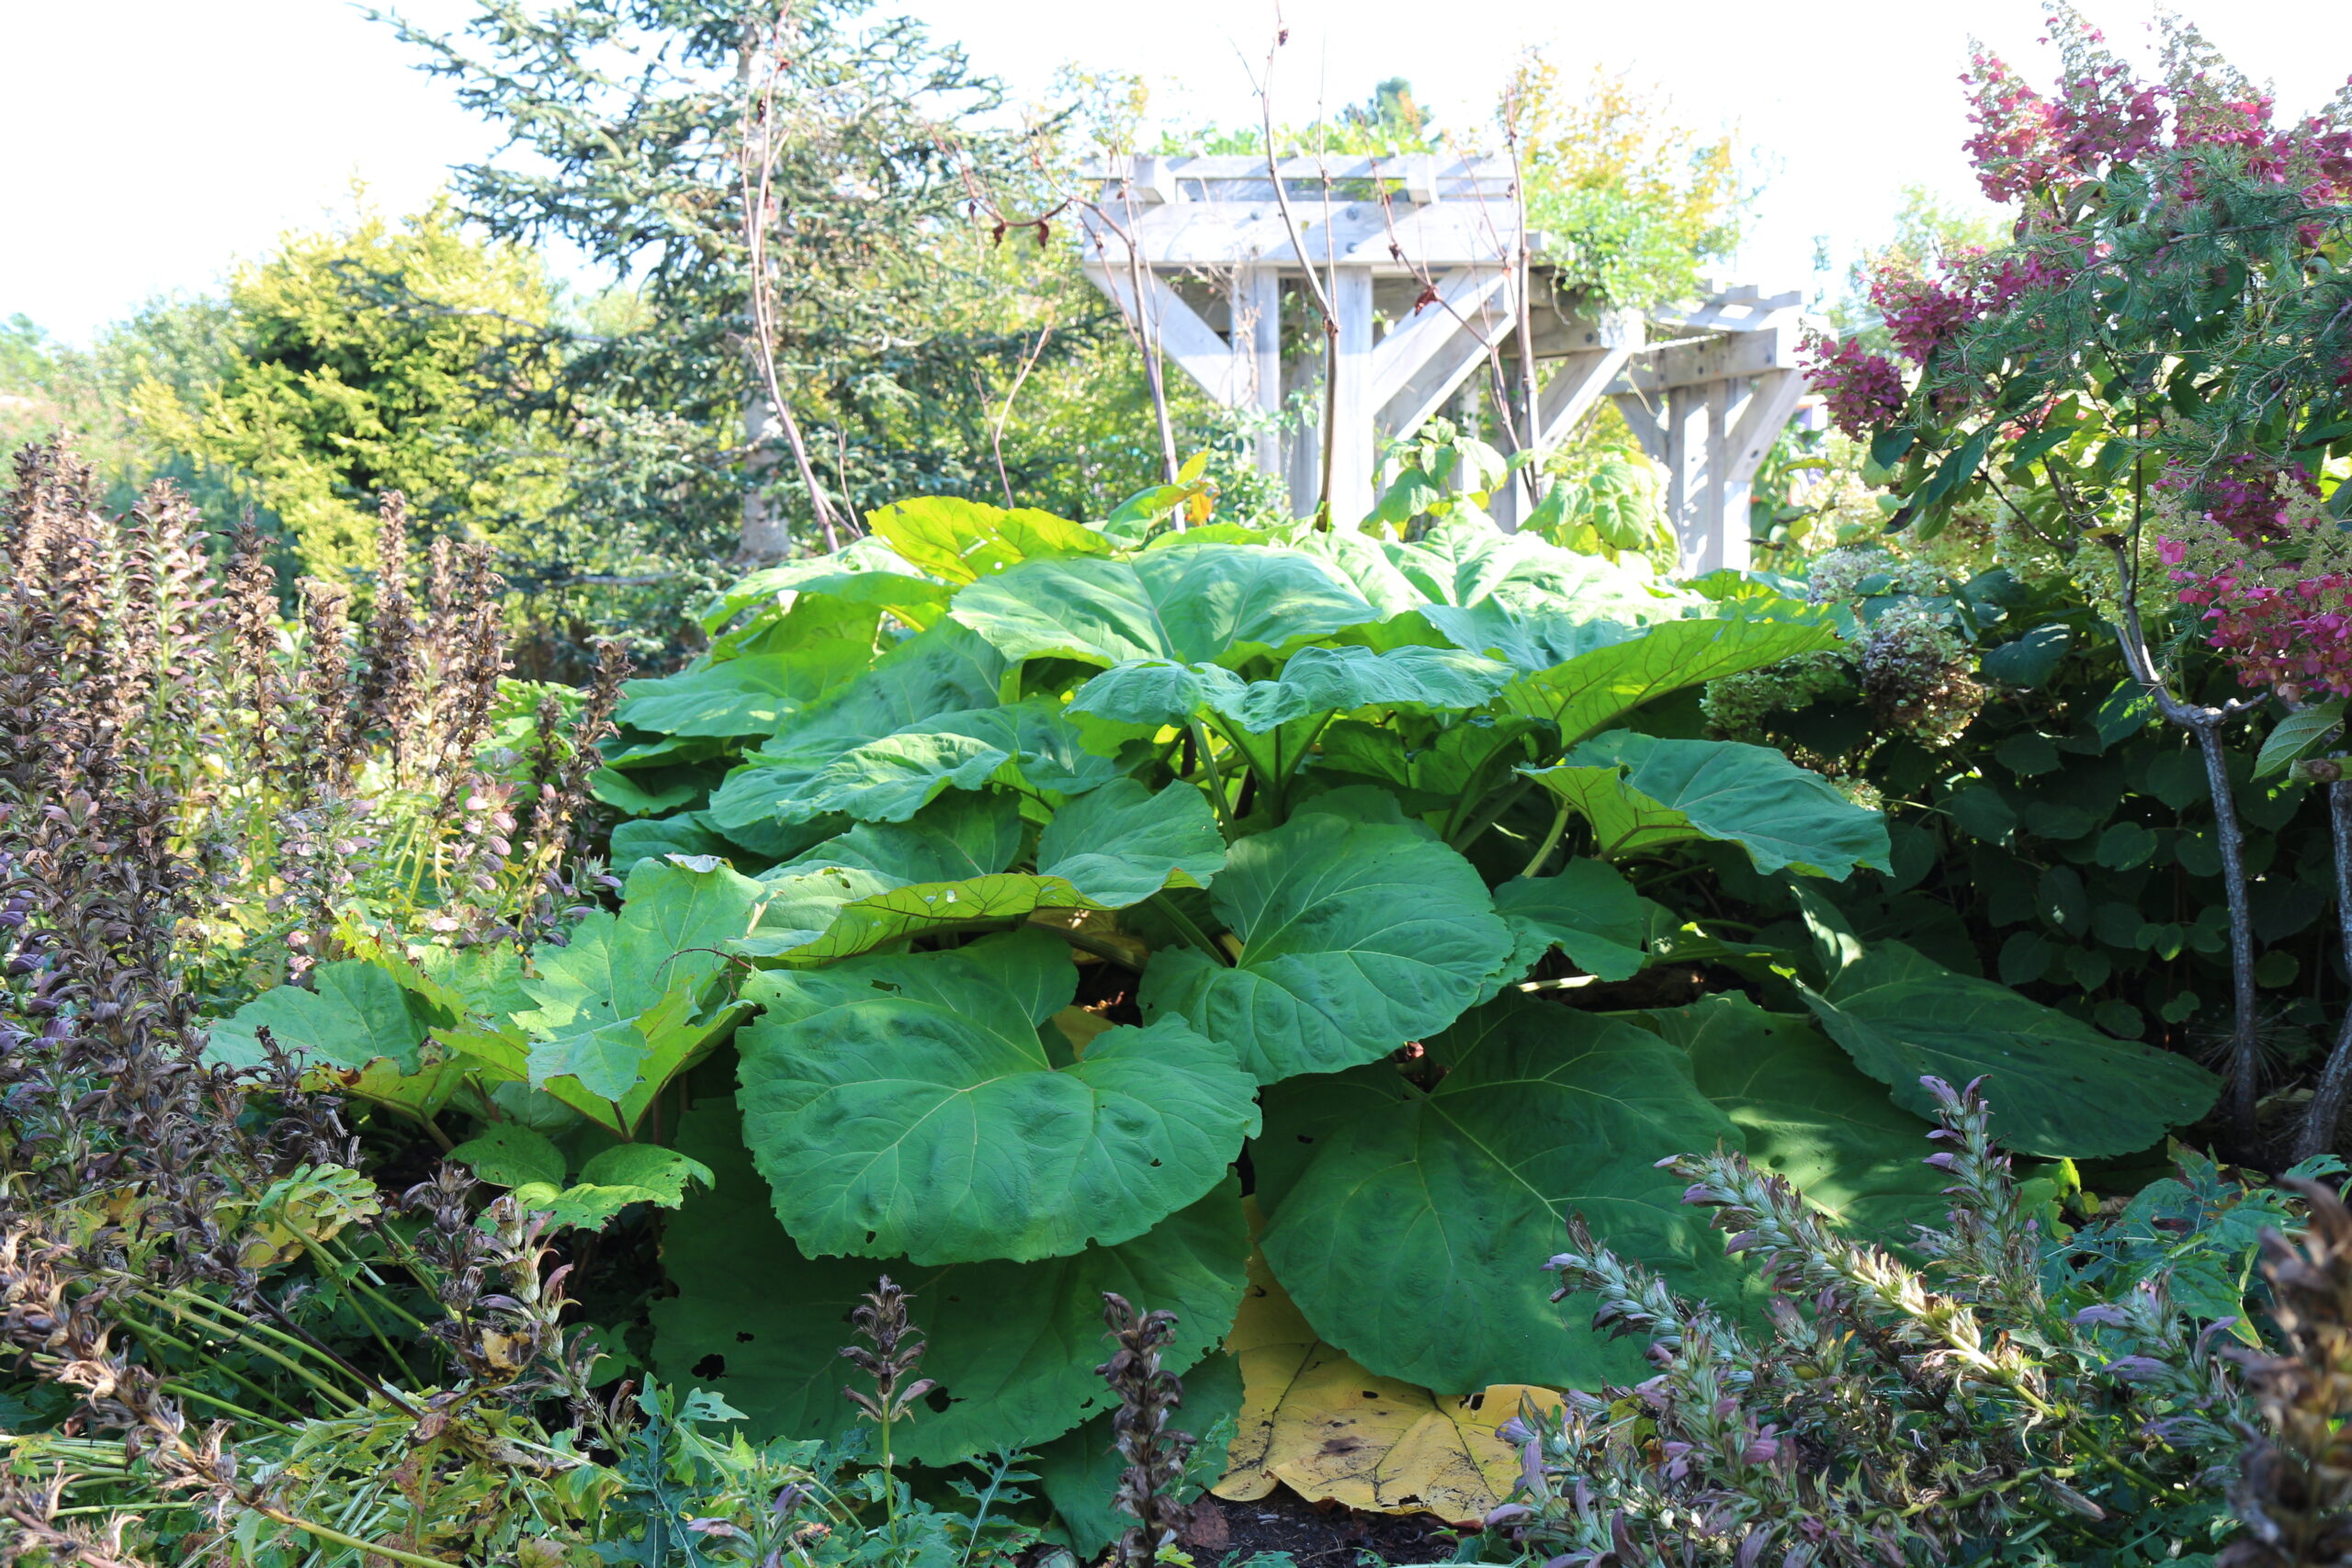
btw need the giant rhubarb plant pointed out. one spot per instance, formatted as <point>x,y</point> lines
<point>1047,890</point>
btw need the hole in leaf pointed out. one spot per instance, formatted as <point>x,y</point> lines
<point>937,1400</point>
<point>711,1366</point>
<point>742,1338</point>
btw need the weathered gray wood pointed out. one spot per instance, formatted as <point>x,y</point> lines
<point>1706,399</point>
<point>1262,289</point>
<point>1645,417</point>
<point>1447,178</point>
<point>1182,336</point>
<point>1353,453</point>
<point>1457,360</point>
<point>1772,402</point>
<point>1466,303</point>
<point>1199,233</point>
<point>1722,356</point>
<point>1577,383</point>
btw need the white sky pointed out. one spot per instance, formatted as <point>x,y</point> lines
<point>150,141</point>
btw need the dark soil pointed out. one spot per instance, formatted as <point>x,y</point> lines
<point>1316,1535</point>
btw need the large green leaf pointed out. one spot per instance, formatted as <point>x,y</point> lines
<point>618,1010</point>
<point>1596,688</point>
<point>961,540</point>
<point>1192,604</point>
<point>1013,1345</point>
<point>891,778</point>
<point>1471,561</point>
<point>866,573</point>
<point>1531,638</point>
<point>681,835</point>
<point>354,1014</point>
<point>957,836</point>
<point>795,623</point>
<point>1365,564</point>
<point>1313,680</point>
<point>1641,793</point>
<point>741,696</point>
<point>1103,851</point>
<point>1356,937</point>
<point>358,1033</point>
<point>908,1105</point>
<point>943,671</point>
<point>1450,768</point>
<point>1410,1236</point>
<point>871,918</point>
<point>1809,1115</point>
<point>1589,912</point>
<point>1329,680</point>
<point>1122,843</point>
<point>2057,1086</point>
<point>1048,750</point>
<point>805,902</point>
<point>1154,691</point>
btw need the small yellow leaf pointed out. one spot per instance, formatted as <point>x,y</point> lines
<point>1079,1027</point>
<point>1315,1421</point>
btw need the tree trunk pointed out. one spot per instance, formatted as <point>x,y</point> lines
<point>764,533</point>
<point>2327,1099</point>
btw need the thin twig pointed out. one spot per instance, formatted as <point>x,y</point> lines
<point>759,199</point>
<point>996,434</point>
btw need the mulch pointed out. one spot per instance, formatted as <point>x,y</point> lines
<point>1316,1535</point>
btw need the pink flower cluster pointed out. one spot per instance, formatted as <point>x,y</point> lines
<point>2000,288</point>
<point>2104,117</point>
<point>2013,130</point>
<point>2270,574</point>
<point>1923,314</point>
<point>2296,638</point>
<point>1863,391</point>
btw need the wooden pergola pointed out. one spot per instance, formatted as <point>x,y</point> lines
<point>1420,258</point>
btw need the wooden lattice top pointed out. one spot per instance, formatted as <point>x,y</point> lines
<point>1218,210</point>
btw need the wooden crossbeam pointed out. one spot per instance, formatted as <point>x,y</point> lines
<point>1465,304</point>
<point>1444,179</point>
<point>1720,357</point>
<point>1772,401</point>
<point>1575,388</point>
<point>1454,358</point>
<point>1182,336</point>
<point>1192,234</point>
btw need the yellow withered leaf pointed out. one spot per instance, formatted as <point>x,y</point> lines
<point>1079,1027</point>
<point>1315,1421</point>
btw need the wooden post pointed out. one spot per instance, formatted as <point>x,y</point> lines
<point>1352,451</point>
<point>1505,505</point>
<point>1261,289</point>
<point>1686,468</point>
<point>1303,447</point>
